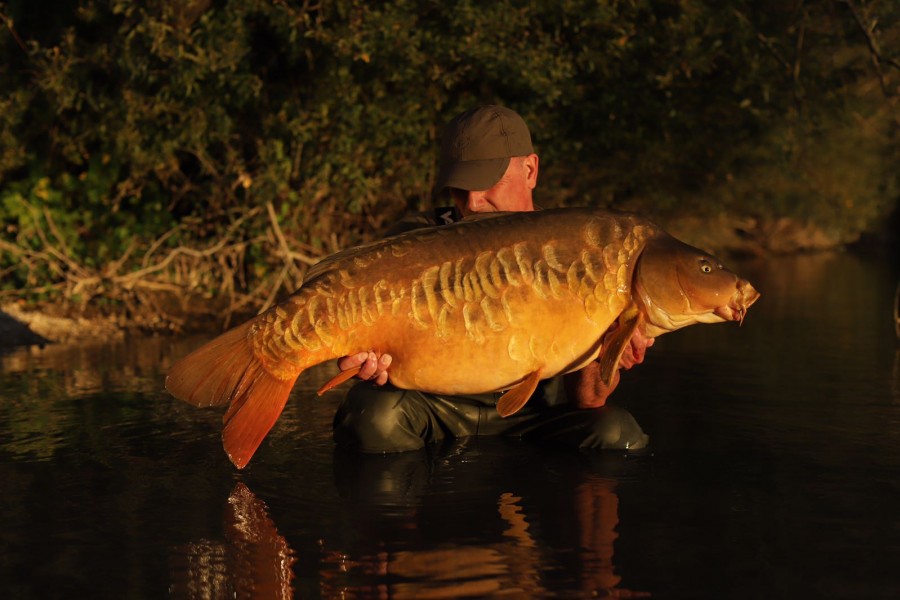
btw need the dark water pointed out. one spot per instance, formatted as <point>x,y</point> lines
<point>775,473</point>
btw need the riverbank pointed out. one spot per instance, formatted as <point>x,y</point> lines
<point>62,322</point>
<point>22,327</point>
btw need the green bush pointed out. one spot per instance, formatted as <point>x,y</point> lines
<point>151,138</point>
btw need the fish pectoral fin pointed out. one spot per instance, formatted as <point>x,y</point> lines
<point>339,379</point>
<point>516,397</point>
<point>612,348</point>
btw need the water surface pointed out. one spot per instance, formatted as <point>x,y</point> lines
<point>774,472</point>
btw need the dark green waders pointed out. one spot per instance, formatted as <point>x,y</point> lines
<point>383,419</point>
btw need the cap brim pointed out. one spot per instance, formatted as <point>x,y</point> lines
<point>472,175</point>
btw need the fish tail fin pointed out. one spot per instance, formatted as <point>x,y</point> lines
<point>227,371</point>
<point>257,405</point>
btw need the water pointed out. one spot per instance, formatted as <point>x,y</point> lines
<point>774,473</point>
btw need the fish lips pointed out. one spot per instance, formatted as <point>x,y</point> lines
<point>736,309</point>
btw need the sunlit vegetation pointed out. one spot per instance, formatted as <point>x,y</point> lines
<point>165,154</point>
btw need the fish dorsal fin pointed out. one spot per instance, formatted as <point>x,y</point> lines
<point>333,261</point>
<point>484,215</point>
<point>615,344</point>
<point>518,395</point>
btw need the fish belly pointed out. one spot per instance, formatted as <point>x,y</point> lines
<point>474,353</point>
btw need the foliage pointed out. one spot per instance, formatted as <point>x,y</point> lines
<point>218,147</point>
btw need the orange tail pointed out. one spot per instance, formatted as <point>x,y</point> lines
<point>226,371</point>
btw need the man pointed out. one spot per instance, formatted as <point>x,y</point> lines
<point>488,164</point>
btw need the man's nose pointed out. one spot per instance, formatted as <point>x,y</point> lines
<point>475,200</point>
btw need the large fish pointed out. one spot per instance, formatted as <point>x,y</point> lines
<point>492,303</point>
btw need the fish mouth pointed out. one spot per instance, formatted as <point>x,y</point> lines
<point>736,309</point>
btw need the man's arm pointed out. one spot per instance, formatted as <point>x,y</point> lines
<point>586,389</point>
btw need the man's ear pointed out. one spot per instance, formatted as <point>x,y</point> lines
<point>530,164</point>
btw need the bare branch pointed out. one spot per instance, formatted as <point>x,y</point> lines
<point>765,41</point>
<point>157,243</point>
<point>286,251</point>
<point>12,30</point>
<point>61,257</point>
<point>874,49</point>
<point>178,272</point>
<point>175,253</point>
<point>278,283</point>
<point>115,265</point>
<point>34,290</point>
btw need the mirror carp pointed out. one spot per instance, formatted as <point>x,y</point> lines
<point>492,303</point>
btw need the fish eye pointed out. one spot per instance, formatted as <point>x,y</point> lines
<point>705,267</point>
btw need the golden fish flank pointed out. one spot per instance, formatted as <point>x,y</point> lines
<point>492,314</point>
<point>310,341</point>
<point>423,301</point>
<point>397,298</point>
<point>447,289</point>
<point>379,290</point>
<point>429,282</point>
<point>521,349</point>
<point>472,324</point>
<point>481,274</point>
<point>548,251</point>
<point>485,290</point>
<point>598,275</point>
<point>401,248</point>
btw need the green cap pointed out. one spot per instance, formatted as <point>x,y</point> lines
<point>478,145</point>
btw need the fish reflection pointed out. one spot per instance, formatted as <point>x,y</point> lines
<point>596,506</point>
<point>449,570</point>
<point>254,560</point>
<point>535,529</point>
<point>390,546</point>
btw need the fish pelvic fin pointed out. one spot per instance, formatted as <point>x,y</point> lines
<point>339,379</point>
<point>515,398</point>
<point>226,371</point>
<point>614,346</point>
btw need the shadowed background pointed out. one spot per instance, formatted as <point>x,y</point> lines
<point>163,159</point>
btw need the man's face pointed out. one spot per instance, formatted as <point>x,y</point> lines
<point>512,193</point>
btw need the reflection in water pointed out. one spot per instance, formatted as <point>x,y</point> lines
<point>532,526</point>
<point>51,392</point>
<point>133,363</point>
<point>253,561</point>
<point>597,511</point>
<point>199,571</point>
<point>512,558</point>
<point>450,570</point>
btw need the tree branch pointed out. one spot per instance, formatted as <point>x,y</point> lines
<point>874,49</point>
<point>12,30</point>
<point>289,255</point>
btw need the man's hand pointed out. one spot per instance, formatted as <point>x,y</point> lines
<point>374,368</point>
<point>585,387</point>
